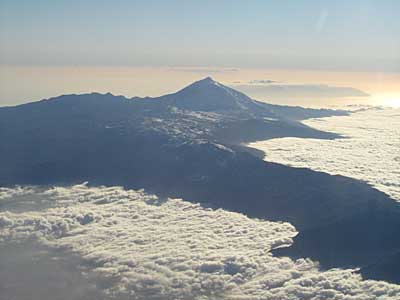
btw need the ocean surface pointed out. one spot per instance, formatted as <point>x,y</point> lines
<point>369,149</point>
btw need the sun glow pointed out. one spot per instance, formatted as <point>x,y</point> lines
<point>386,99</point>
<point>392,102</point>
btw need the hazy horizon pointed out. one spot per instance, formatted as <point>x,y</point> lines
<point>311,88</point>
<point>148,49</point>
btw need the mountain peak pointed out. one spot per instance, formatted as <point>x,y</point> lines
<point>211,96</point>
<point>208,79</point>
<point>204,82</point>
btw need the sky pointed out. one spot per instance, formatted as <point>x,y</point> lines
<point>356,35</point>
<point>329,36</point>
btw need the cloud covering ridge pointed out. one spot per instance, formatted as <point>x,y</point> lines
<point>150,248</point>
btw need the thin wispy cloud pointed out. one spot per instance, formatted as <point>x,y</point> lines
<point>273,88</point>
<point>205,70</point>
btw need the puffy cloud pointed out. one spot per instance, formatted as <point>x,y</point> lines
<point>369,151</point>
<point>150,248</point>
<point>5,221</point>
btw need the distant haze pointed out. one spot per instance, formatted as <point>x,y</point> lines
<point>48,48</point>
<point>21,84</point>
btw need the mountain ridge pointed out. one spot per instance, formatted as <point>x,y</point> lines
<point>204,83</point>
<point>204,109</point>
<point>196,155</point>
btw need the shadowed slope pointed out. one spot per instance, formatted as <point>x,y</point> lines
<point>167,147</point>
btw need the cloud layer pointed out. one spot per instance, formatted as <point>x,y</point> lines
<point>271,89</point>
<point>150,248</point>
<point>370,151</point>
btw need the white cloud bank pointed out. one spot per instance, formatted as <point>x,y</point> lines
<point>153,249</point>
<point>371,151</point>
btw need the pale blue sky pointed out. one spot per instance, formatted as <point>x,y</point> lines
<point>345,35</point>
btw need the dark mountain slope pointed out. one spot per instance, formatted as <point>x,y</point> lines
<point>177,152</point>
<point>386,268</point>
